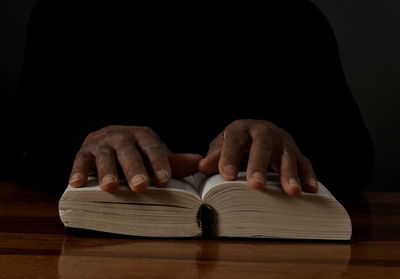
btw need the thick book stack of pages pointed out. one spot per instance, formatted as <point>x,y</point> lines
<point>234,210</point>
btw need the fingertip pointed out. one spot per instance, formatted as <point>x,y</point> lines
<point>77,180</point>
<point>77,184</point>
<point>291,186</point>
<point>197,157</point>
<point>162,185</point>
<point>109,182</point>
<point>256,180</point>
<point>203,163</point>
<point>293,190</point>
<point>229,172</point>
<point>162,177</point>
<point>310,189</point>
<point>139,188</point>
<point>311,186</point>
<point>254,184</point>
<point>110,187</point>
<point>138,183</point>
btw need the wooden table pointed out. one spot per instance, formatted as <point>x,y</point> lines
<point>34,244</point>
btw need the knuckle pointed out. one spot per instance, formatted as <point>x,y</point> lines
<point>262,143</point>
<point>303,159</point>
<point>264,127</point>
<point>230,158</point>
<point>216,142</point>
<point>116,137</point>
<point>261,129</point>
<point>288,151</point>
<point>127,152</point>
<point>153,148</point>
<point>110,127</point>
<point>240,142</point>
<point>89,136</point>
<point>90,140</point>
<point>258,135</point>
<point>104,150</point>
<point>238,137</point>
<point>146,130</point>
<point>93,134</point>
<point>83,155</point>
<point>144,133</point>
<point>238,124</point>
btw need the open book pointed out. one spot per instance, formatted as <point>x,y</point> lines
<point>199,204</point>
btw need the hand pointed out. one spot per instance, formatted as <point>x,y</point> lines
<point>141,154</point>
<point>267,146</point>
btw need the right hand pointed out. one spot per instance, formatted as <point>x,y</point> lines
<point>143,157</point>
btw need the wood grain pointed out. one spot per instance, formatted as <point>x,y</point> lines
<point>34,244</point>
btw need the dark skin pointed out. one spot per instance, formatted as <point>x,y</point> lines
<point>145,159</point>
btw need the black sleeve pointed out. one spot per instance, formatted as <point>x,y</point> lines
<point>324,117</point>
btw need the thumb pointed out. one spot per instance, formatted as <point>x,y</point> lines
<point>209,164</point>
<point>184,164</point>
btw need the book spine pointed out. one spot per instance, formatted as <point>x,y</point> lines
<point>206,221</point>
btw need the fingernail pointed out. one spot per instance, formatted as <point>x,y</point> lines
<point>75,177</point>
<point>294,183</point>
<point>259,177</point>
<point>229,172</point>
<point>162,176</point>
<point>313,183</point>
<point>137,180</point>
<point>107,179</point>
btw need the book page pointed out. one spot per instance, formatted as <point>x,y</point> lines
<point>197,181</point>
<point>174,185</point>
<point>180,185</point>
<point>216,180</point>
<point>273,183</point>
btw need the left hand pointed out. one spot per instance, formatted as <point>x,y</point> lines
<point>267,145</point>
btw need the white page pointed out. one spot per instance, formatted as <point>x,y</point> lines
<point>174,185</point>
<point>273,183</point>
<point>216,180</point>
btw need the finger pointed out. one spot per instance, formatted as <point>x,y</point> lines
<point>235,145</point>
<point>106,164</point>
<point>288,171</point>
<point>259,160</point>
<point>184,164</point>
<point>156,154</point>
<point>133,167</point>
<point>209,164</point>
<point>307,175</point>
<point>82,166</point>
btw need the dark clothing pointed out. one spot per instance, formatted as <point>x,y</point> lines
<point>187,71</point>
